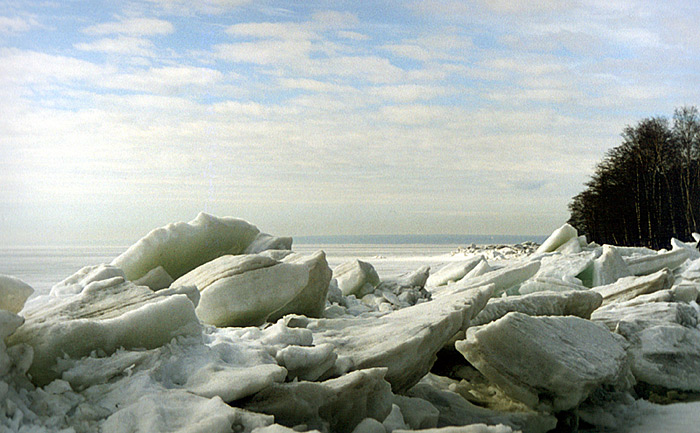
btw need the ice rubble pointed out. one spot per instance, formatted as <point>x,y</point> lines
<point>213,326</point>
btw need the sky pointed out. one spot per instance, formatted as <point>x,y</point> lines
<point>323,117</point>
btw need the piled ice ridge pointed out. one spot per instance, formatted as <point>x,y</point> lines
<point>213,326</point>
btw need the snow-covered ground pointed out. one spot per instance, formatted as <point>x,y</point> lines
<point>213,326</point>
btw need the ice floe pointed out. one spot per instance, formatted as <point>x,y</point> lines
<point>214,326</point>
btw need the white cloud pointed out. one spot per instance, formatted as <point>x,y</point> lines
<point>265,52</point>
<point>286,31</point>
<point>121,45</point>
<point>166,79</point>
<point>35,67</point>
<point>132,27</point>
<point>187,7</point>
<point>314,85</point>
<point>16,24</point>
<point>409,92</point>
<point>355,36</point>
<point>335,20</point>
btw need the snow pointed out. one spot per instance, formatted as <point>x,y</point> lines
<point>213,326</point>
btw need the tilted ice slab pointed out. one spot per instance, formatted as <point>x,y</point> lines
<point>609,267</point>
<point>247,289</point>
<point>548,284</point>
<point>502,279</point>
<point>356,278</point>
<point>340,403</point>
<point>404,341</point>
<point>665,355</point>
<point>559,237</point>
<point>180,247</point>
<point>628,288</point>
<point>646,314</point>
<point>548,363</point>
<point>572,303</point>
<point>566,267</point>
<point>105,315</point>
<point>13,293</point>
<point>649,264</point>
<point>453,271</point>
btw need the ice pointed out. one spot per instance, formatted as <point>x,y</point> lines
<point>649,264</point>
<point>502,279</point>
<point>630,287</point>
<point>283,348</point>
<point>181,412</point>
<point>181,247</point>
<point>455,410</point>
<point>250,288</point>
<point>82,278</point>
<point>583,354</point>
<point>559,237</point>
<point>405,341</point>
<point>13,293</point>
<point>453,271</point>
<point>339,403</point>
<point>609,267</point>
<point>356,278</point>
<point>369,425</point>
<point>394,421</point>
<point>544,284</point>
<point>156,279</point>
<point>105,315</point>
<point>417,413</point>
<point>474,428</point>
<point>572,303</point>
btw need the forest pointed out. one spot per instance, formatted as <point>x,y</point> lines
<point>647,189</point>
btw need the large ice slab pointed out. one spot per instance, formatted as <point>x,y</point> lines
<point>519,353</point>
<point>571,303</point>
<point>559,237</point>
<point>502,279</point>
<point>356,278</point>
<point>340,403</point>
<point>649,264</point>
<point>105,315</point>
<point>665,355</point>
<point>13,293</point>
<point>180,247</point>
<point>453,272</point>
<point>176,411</point>
<point>628,288</point>
<point>404,341</point>
<point>247,289</point>
<point>609,267</point>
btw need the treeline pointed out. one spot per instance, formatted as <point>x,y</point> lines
<point>646,190</point>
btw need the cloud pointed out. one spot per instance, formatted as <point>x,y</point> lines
<point>265,52</point>
<point>334,20</point>
<point>286,31</point>
<point>16,24</point>
<point>132,27</point>
<point>209,7</point>
<point>355,36</point>
<point>127,45</point>
<point>169,79</point>
<point>21,66</point>
<point>409,92</point>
